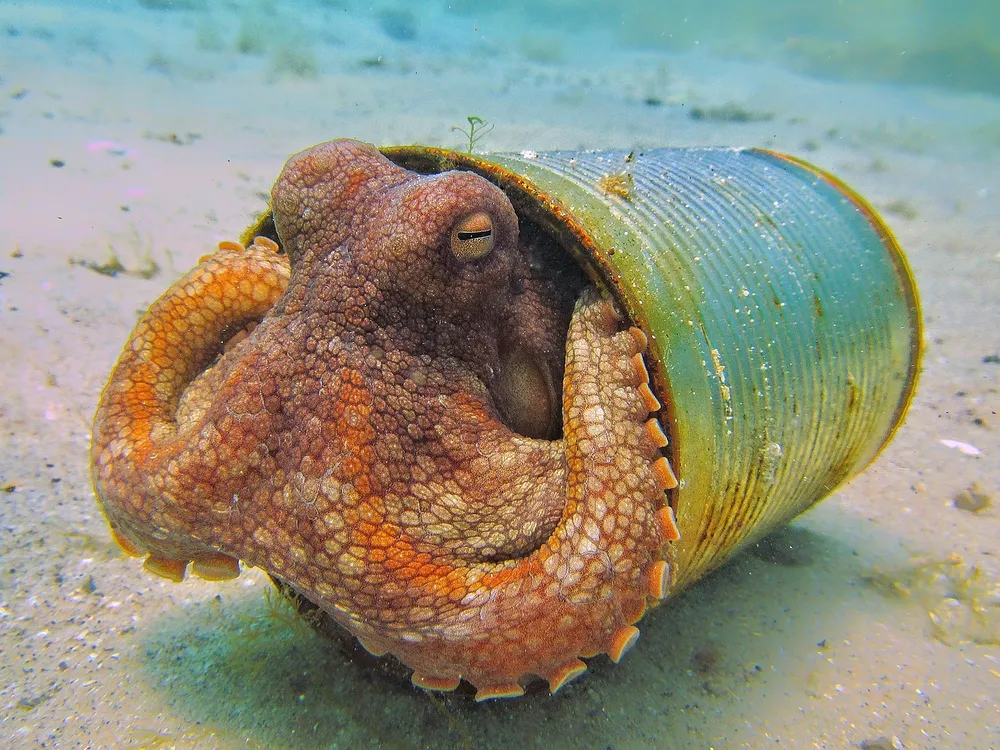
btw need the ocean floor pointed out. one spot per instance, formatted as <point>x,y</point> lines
<point>140,136</point>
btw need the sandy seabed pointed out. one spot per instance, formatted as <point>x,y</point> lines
<point>148,136</point>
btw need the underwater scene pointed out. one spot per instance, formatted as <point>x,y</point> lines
<point>485,375</point>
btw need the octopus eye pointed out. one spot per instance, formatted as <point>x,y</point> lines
<point>472,237</point>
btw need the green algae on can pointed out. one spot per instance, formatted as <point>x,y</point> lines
<point>784,325</point>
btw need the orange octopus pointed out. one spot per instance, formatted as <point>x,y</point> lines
<point>401,406</point>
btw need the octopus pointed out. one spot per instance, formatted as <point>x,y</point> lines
<point>406,408</point>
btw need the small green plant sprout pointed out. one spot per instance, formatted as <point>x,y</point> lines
<point>478,127</point>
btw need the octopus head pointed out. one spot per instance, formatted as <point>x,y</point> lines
<point>414,250</point>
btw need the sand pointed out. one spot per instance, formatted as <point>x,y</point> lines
<point>147,136</point>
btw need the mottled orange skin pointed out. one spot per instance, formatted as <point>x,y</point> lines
<point>352,443</point>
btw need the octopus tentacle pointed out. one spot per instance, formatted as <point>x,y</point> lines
<point>581,591</point>
<point>150,402</point>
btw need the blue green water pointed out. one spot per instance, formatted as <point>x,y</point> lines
<point>954,45</point>
<point>151,129</point>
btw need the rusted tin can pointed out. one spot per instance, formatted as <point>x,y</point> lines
<point>784,324</point>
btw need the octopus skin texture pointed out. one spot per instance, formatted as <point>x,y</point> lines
<point>393,407</point>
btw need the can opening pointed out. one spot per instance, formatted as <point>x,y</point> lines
<point>557,273</point>
<point>527,389</point>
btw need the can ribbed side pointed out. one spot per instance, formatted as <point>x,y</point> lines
<point>782,320</point>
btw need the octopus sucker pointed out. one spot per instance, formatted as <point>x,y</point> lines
<point>126,545</point>
<point>667,480</point>
<point>658,579</point>
<point>165,567</point>
<point>217,567</point>
<point>503,690</point>
<point>428,682</point>
<point>622,640</point>
<point>566,673</point>
<point>407,405</point>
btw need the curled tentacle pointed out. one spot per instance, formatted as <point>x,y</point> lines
<point>158,389</point>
